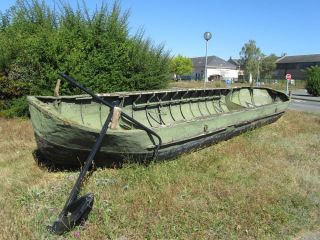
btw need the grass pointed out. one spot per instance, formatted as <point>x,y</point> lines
<point>263,184</point>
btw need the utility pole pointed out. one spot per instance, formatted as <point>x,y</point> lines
<point>207,36</point>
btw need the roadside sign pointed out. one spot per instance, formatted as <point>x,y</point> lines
<point>288,76</point>
<point>228,82</point>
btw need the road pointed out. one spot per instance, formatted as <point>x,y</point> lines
<point>305,106</point>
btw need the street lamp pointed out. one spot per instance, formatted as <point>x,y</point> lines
<point>258,73</point>
<point>207,36</point>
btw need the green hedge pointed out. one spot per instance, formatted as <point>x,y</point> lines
<point>96,48</point>
<point>313,81</point>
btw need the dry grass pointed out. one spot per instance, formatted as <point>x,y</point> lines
<point>260,185</point>
<point>217,84</point>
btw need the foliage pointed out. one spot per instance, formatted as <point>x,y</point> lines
<point>250,55</point>
<point>313,81</point>
<point>14,107</point>
<point>36,42</point>
<point>181,65</point>
<point>254,59</point>
<point>267,66</point>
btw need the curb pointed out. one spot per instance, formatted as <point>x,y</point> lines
<point>305,99</point>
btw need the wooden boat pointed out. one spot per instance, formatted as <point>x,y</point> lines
<point>66,127</point>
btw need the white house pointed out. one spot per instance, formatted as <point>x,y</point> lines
<point>217,69</point>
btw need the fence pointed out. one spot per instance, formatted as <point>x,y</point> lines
<point>283,82</point>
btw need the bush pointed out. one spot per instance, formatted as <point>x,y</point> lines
<point>14,107</point>
<point>37,42</point>
<point>313,81</point>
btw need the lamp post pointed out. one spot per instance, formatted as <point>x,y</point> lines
<point>258,73</point>
<point>207,36</point>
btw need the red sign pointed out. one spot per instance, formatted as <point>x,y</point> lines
<point>288,76</point>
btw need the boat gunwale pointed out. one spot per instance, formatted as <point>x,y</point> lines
<point>132,93</point>
<point>37,103</point>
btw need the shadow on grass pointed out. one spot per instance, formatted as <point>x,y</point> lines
<point>50,166</point>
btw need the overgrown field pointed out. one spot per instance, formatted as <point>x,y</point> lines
<point>263,184</point>
<point>300,84</point>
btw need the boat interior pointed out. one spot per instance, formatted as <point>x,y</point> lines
<point>161,108</point>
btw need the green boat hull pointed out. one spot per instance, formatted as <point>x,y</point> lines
<point>66,127</point>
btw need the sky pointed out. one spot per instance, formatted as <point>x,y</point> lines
<point>277,26</point>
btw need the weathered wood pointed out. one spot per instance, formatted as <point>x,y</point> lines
<point>115,118</point>
<point>56,91</point>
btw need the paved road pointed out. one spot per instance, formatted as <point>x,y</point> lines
<point>305,106</point>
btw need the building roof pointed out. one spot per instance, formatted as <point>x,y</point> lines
<point>235,61</point>
<point>299,58</point>
<point>213,62</point>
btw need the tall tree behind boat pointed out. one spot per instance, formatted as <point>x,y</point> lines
<point>38,41</point>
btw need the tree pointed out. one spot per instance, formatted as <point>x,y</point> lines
<point>250,55</point>
<point>313,81</point>
<point>37,42</point>
<point>267,66</point>
<point>181,65</point>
